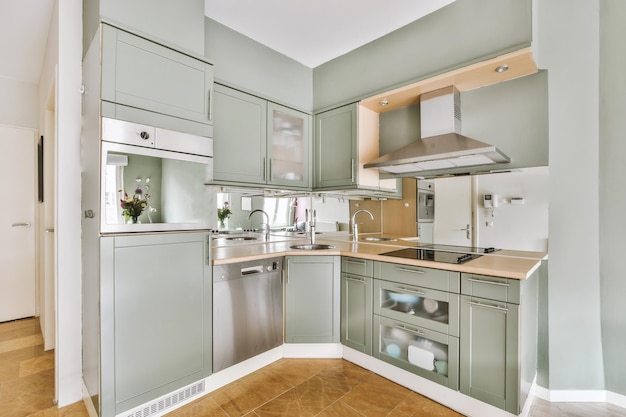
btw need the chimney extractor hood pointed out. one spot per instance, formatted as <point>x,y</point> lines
<point>441,146</point>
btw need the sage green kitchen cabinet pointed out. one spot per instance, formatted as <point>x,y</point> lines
<point>498,339</point>
<point>239,137</point>
<point>312,299</point>
<point>149,83</point>
<point>346,138</point>
<point>156,316</point>
<point>257,142</point>
<point>356,303</point>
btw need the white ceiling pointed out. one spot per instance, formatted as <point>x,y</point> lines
<point>24,26</point>
<point>311,32</point>
<point>315,31</point>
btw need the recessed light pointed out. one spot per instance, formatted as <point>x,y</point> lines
<point>502,68</point>
<point>384,102</point>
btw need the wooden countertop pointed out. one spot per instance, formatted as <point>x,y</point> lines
<point>504,263</point>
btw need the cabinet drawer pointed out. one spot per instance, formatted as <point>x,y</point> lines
<point>416,275</point>
<point>356,266</point>
<point>424,352</point>
<point>494,288</point>
<point>433,309</point>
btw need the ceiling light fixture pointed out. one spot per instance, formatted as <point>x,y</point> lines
<point>502,68</point>
<point>384,102</point>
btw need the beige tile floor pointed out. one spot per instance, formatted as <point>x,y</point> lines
<point>288,387</point>
<point>313,387</point>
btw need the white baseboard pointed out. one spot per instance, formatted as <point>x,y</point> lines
<point>91,410</point>
<point>581,396</point>
<point>312,350</point>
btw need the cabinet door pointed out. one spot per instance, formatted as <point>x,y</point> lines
<point>489,352</point>
<point>156,315</point>
<point>356,312</point>
<point>145,75</point>
<point>239,136</point>
<point>312,306</point>
<point>336,147</point>
<point>288,147</point>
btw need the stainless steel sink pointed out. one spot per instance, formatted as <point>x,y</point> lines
<point>379,239</point>
<point>312,247</point>
<point>241,238</point>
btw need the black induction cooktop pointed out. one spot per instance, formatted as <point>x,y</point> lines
<point>433,255</point>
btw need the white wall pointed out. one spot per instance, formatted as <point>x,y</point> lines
<point>521,227</point>
<point>68,210</point>
<point>19,103</point>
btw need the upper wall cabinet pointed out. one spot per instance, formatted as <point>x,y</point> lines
<point>146,82</point>
<point>346,138</point>
<point>260,143</point>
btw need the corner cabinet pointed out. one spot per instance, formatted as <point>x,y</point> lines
<point>155,318</point>
<point>258,142</point>
<point>498,354</point>
<point>312,299</point>
<point>150,83</point>
<point>345,139</point>
<point>356,303</point>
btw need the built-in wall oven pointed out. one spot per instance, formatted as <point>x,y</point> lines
<point>247,310</point>
<point>152,179</point>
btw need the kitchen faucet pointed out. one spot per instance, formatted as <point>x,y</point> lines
<point>355,226</point>
<point>267,224</point>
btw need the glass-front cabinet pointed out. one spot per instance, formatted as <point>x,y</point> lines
<point>425,352</point>
<point>288,147</point>
<point>438,310</point>
<point>258,142</point>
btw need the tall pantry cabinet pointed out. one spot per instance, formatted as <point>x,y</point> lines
<point>147,296</point>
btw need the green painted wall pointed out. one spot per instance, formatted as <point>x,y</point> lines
<point>567,44</point>
<point>244,63</point>
<point>612,195</point>
<point>463,32</point>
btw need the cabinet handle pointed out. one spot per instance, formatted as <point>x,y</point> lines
<point>264,169</point>
<point>210,113</point>
<point>353,278</point>
<point>418,292</point>
<point>414,271</point>
<point>270,169</point>
<point>412,331</point>
<point>352,175</point>
<point>25,224</point>
<point>350,261</point>
<point>482,281</point>
<point>474,303</point>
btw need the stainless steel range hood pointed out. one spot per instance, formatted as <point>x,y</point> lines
<point>441,146</point>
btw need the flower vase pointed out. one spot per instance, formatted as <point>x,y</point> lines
<point>222,224</point>
<point>133,219</point>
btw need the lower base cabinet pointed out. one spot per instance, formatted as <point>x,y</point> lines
<point>356,304</point>
<point>312,299</point>
<point>489,352</point>
<point>156,316</point>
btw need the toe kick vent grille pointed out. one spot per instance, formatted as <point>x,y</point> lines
<point>158,407</point>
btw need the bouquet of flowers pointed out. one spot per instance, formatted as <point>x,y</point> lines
<point>223,214</point>
<point>132,207</point>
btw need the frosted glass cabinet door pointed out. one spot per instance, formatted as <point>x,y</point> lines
<point>288,148</point>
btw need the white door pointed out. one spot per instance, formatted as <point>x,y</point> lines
<point>17,222</point>
<point>453,211</point>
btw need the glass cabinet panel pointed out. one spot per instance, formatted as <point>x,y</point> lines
<point>427,353</point>
<point>433,309</point>
<point>288,147</point>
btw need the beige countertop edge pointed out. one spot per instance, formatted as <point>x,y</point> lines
<point>495,265</point>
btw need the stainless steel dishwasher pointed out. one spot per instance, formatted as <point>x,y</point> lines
<point>247,310</point>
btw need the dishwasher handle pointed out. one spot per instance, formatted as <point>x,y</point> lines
<point>251,270</point>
